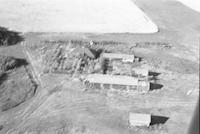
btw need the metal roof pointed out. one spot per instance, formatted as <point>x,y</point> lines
<point>143,71</point>
<point>138,119</point>
<point>117,56</point>
<point>83,50</point>
<point>112,79</point>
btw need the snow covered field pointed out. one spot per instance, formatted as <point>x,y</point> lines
<point>194,4</point>
<point>101,16</point>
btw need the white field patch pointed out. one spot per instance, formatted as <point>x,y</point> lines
<point>194,4</point>
<point>98,16</point>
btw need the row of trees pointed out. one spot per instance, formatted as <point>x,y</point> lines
<point>8,37</point>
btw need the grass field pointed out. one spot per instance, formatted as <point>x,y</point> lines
<point>100,16</point>
<point>195,5</point>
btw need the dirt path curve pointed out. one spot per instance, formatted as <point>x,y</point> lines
<point>20,113</point>
<point>31,61</point>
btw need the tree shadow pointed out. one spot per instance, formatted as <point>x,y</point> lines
<point>21,62</point>
<point>8,63</point>
<point>155,86</point>
<point>3,77</point>
<point>1,127</point>
<point>154,73</point>
<point>158,120</point>
<point>8,37</point>
<point>96,52</point>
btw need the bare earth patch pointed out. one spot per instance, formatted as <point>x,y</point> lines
<point>62,106</point>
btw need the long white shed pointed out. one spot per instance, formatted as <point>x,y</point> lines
<point>130,83</point>
<point>117,56</point>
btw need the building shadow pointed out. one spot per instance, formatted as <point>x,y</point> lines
<point>158,120</point>
<point>138,59</point>
<point>105,66</point>
<point>8,37</point>
<point>155,86</point>
<point>153,76</point>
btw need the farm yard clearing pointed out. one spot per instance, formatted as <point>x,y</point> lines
<point>63,102</point>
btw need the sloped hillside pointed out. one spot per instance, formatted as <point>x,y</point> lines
<point>16,83</point>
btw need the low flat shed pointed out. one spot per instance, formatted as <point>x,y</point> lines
<point>138,119</point>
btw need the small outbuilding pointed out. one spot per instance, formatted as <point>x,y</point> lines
<point>140,72</point>
<point>138,119</point>
<point>120,68</point>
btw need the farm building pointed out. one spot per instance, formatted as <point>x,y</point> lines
<point>82,51</point>
<point>127,83</point>
<point>140,72</point>
<point>138,119</point>
<point>116,56</point>
<point>119,68</point>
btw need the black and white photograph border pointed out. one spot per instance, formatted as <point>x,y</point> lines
<point>99,66</point>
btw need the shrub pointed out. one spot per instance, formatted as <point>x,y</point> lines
<point>7,63</point>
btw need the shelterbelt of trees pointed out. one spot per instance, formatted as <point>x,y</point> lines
<point>8,37</point>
